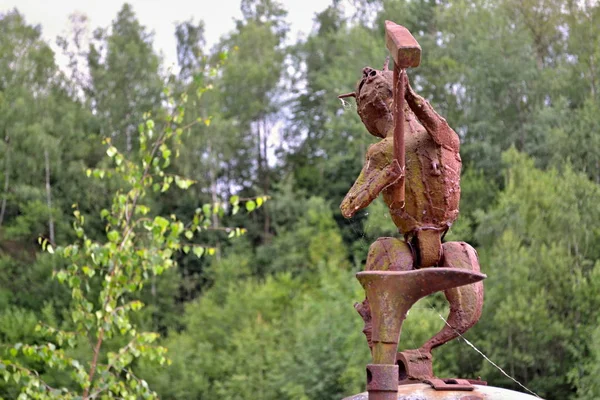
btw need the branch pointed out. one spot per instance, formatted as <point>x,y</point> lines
<point>127,228</point>
<point>32,373</point>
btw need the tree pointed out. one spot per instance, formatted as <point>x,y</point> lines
<point>37,110</point>
<point>190,49</point>
<point>105,277</point>
<point>540,245</point>
<point>250,83</point>
<point>125,81</point>
<point>583,43</point>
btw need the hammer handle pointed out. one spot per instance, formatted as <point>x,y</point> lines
<point>399,118</point>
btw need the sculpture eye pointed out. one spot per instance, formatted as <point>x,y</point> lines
<point>368,72</point>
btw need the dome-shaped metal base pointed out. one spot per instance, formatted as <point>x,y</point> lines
<point>421,391</point>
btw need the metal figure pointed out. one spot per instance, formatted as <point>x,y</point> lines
<point>416,168</point>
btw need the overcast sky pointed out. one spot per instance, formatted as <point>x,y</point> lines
<point>158,15</point>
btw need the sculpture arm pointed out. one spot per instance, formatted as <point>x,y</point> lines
<point>435,124</point>
<point>377,174</point>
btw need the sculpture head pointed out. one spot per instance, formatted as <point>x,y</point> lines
<point>374,100</point>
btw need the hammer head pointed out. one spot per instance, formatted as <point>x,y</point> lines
<point>403,46</point>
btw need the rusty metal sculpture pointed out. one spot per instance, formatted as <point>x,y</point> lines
<point>416,167</point>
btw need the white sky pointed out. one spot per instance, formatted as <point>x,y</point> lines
<point>158,16</point>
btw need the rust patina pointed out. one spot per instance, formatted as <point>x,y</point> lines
<point>415,166</point>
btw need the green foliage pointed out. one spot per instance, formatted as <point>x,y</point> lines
<point>259,334</point>
<point>378,222</point>
<point>477,195</point>
<point>541,246</point>
<point>36,113</point>
<point>588,387</point>
<point>269,315</point>
<point>314,240</point>
<point>104,277</point>
<point>576,137</point>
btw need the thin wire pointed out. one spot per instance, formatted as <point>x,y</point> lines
<point>432,308</point>
<point>488,359</point>
<point>407,334</point>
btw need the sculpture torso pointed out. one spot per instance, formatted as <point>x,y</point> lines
<point>432,182</point>
<point>432,165</point>
<point>432,179</point>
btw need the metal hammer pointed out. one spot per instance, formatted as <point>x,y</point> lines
<point>406,53</point>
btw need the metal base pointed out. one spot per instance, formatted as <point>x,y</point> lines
<point>423,391</point>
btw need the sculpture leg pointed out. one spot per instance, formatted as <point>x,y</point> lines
<point>429,245</point>
<point>466,302</point>
<point>385,254</point>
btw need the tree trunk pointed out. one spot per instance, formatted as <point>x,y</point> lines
<point>260,152</point>
<point>128,145</point>
<point>593,77</point>
<point>6,179</point>
<point>266,180</point>
<point>49,198</point>
<point>213,191</point>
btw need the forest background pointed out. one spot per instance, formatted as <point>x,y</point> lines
<point>269,315</point>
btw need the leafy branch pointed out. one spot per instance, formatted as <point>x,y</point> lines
<point>106,276</point>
